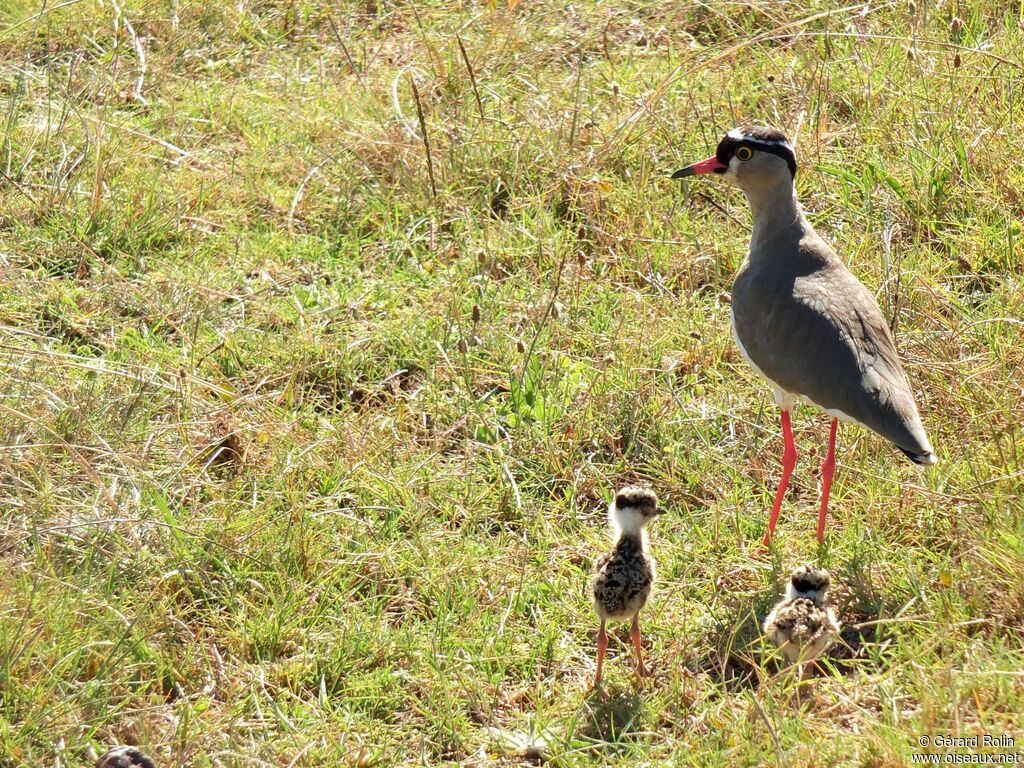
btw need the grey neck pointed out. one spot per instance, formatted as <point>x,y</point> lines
<point>779,221</point>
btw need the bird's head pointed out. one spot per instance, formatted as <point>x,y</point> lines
<point>754,159</point>
<point>632,509</point>
<point>124,757</point>
<point>809,582</point>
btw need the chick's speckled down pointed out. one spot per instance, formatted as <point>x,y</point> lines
<point>801,629</point>
<point>623,579</point>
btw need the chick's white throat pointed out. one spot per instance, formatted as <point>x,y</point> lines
<point>626,521</point>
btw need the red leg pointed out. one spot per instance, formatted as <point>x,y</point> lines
<point>634,632</point>
<point>602,646</point>
<point>828,470</point>
<point>788,462</point>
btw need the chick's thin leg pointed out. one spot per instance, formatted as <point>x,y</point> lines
<point>602,646</point>
<point>634,633</point>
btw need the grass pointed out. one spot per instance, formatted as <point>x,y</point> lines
<point>327,331</point>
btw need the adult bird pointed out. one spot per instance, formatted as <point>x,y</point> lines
<point>803,321</point>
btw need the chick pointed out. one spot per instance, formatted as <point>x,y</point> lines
<point>802,624</point>
<point>623,577</point>
<point>125,757</point>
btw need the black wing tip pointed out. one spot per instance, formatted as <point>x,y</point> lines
<point>922,459</point>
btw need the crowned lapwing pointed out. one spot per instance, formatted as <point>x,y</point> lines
<point>623,577</point>
<point>802,624</point>
<point>801,318</point>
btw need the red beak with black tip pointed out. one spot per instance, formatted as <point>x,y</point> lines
<point>711,165</point>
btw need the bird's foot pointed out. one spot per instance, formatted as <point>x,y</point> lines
<point>596,690</point>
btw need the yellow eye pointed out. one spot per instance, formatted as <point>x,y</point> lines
<point>744,153</point>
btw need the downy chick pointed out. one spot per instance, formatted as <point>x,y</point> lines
<point>623,577</point>
<point>802,624</point>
